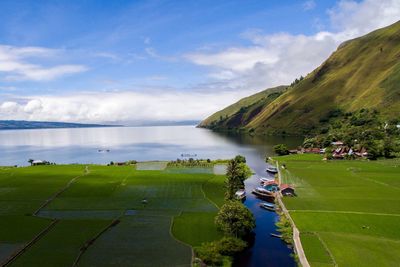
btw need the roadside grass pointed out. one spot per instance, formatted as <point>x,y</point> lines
<point>195,228</point>
<point>353,206</point>
<point>61,245</point>
<point>316,253</point>
<point>146,237</point>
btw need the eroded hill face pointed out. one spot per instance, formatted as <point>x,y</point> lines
<point>362,73</point>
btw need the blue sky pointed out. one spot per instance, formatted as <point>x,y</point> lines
<point>104,61</point>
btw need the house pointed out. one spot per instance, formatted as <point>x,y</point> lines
<point>362,152</point>
<point>341,152</point>
<point>287,190</point>
<point>337,143</point>
<point>38,162</point>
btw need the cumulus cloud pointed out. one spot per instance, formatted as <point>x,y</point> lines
<point>118,106</point>
<point>234,72</point>
<point>276,59</point>
<point>14,62</point>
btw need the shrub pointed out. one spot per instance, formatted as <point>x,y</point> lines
<point>229,246</point>
<point>209,254</point>
<point>281,150</point>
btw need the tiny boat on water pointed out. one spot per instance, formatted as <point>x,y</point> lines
<point>268,206</point>
<point>272,169</point>
<point>240,194</point>
<point>262,192</point>
<point>266,180</point>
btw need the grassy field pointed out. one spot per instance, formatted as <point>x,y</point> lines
<point>180,210</point>
<point>348,212</point>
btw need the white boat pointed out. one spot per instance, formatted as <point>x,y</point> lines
<point>262,192</point>
<point>240,194</point>
<point>272,169</point>
<point>268,206</point>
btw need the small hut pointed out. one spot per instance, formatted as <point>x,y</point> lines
<point>287,190</point>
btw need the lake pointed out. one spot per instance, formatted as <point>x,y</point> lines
<point>90,145</point>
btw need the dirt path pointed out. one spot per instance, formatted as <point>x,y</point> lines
<point>296,233</point>
<point>59,192</point>
<point>15,255</point>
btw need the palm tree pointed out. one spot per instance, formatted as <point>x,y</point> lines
<point>31,161</point>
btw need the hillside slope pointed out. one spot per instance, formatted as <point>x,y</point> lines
<point>241,112</point>
<point>361,73</point>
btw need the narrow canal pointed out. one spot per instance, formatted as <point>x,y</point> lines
<point>265,250</point>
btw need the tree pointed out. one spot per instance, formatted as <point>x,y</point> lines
<point>236,173</point>
<point>240,159</point>
<point>234,219</point>
<point>31,161</point>
<point>281,150</point>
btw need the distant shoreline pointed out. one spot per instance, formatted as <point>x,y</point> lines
<point>31,125</point>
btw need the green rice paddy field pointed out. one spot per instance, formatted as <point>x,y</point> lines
<point>348,212</point>
<point>179,214</point>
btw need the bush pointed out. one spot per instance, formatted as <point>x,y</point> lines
<point>229,246</point>
<point>209,254</point>
<point>281,150</point>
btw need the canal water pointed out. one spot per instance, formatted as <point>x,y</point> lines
<point>102,145</point>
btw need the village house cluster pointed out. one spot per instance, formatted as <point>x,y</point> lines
<point>339,151</point>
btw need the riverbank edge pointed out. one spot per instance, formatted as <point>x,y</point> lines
<point>298,247</point>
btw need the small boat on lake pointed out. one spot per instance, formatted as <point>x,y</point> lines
<point>262,192</point>
<point>268,206</point>
<point>266,180</point>
<point>240,194</point>
<point>272,169</point>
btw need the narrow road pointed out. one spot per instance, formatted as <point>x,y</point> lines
<point>298,247</point>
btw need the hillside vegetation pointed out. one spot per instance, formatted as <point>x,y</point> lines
<point>361,73</point>
<point>242,112</point>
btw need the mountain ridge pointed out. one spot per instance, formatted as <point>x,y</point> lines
<point>362,73</point>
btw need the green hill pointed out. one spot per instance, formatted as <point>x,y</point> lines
<point>361,73</point>
<point>242,112</point>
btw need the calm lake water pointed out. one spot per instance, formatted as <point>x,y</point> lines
<point>90,145</point>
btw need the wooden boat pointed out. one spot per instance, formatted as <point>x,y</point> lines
<point>262,192</point>
<point>272,169</point>
<point>268,206</point>
<point>266,180</point>
<point>240,194</point>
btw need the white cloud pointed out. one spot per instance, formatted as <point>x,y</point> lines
<point>276,59</point>
<point>9,107</point>
<point>309,5</point>
<point>14,62</point>
<point>119,106</point>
